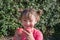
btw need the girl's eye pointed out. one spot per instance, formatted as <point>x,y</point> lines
<point>25,20</point>
<point>30,20</point>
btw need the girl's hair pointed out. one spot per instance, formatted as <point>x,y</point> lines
<point>30,11</point>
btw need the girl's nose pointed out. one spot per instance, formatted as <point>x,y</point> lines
<point>28,22</point>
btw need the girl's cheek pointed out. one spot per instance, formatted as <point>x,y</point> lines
<point>23,23</point>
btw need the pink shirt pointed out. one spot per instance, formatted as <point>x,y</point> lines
<point>36,33</point>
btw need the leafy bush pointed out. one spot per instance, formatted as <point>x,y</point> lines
<point>9,15</point>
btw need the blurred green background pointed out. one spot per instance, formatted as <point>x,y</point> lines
<point>49,23</point>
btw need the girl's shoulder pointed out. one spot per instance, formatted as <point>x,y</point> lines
<point>37,32</point>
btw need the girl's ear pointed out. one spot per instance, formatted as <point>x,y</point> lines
<point>20,10</point>
<point>39,12</point>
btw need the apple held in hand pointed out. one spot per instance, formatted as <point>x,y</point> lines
<point>20,31</point>
<point>28,29</point>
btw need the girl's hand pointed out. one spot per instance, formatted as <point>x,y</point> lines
<point>29,35</point>
<point>18,34</point>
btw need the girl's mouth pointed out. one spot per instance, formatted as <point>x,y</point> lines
<point>28,25</point>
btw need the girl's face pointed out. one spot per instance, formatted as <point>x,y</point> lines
<point>28,22</point>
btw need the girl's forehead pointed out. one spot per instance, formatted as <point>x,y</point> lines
<point>28,17</point>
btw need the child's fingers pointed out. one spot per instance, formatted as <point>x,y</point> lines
<point>26,32</point>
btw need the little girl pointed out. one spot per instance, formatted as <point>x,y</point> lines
<point>29,17</point>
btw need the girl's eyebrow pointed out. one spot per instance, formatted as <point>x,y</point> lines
<point>27,19</point>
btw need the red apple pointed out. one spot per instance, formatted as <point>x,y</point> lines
<point>28,29</point>
<point>19,30</point>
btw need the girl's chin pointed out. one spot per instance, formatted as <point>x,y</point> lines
<point>28,26</point>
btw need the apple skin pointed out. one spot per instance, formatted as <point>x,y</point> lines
<point>28,29</point>
<point>20,31</point>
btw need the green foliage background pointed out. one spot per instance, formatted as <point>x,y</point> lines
<point>49,22</point>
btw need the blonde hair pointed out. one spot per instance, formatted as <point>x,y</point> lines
<point>28,11</point>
